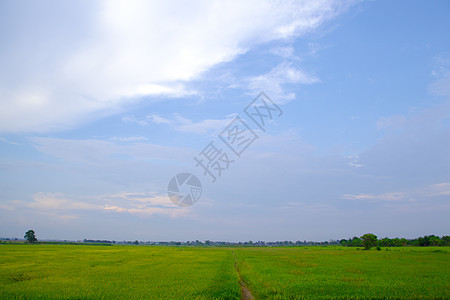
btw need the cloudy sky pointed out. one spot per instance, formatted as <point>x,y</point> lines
<point>102,103</point>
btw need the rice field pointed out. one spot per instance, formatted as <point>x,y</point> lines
<point>337,272</point>
<point>125,272</point>
<point>150,272</point>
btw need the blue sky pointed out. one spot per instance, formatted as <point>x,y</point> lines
<point>102,103</point>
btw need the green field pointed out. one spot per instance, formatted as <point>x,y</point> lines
<point>135,272</point>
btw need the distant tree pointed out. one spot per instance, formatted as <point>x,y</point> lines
<point>396,242</point>
<point>435,241</point>
<point>369,240</point>
<point>30,236</point>
<point>356,242</point>
<point>424,241</point>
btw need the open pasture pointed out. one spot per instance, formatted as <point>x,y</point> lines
<point>338,272</point>
<point>136,272</point>
<point>126,272</point>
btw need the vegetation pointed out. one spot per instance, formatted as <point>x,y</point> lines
<point>135,272</point>
<point>430,240</point>
<point>30,236</point>
<point>369,240</point>
<point>124,272</point>
<point>345,273</point>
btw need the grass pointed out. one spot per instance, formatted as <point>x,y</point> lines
<point>127,272</point>
<point>136,272</point>
<point>337,272</point>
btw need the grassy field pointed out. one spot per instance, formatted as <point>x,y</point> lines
<point>337,272</point>
<point>135,272</point>
<point>127,272</point>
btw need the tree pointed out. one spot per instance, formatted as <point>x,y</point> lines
<point>424,241</point>
<point>355,242</point>
<point>30,237</point>
<point>446,240</point>
<point>369,240</point>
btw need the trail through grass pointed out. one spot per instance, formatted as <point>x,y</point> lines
<point>140,272</point>
<point>246,294</point>
<point>327,272</point>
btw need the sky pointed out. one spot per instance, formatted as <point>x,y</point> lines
<point>301,120</point>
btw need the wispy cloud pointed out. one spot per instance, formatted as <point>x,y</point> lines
<point>177,90</point>
<point>8,141</point>
<point>132,119</point>
<point>372,197</point>
<point>441,73</point>
<point>96,151</point>
<point>285,51</point>
<point>59,201</point>
<point>410,195</point>
<point>123,52</point>
<point>274,82</point>
<point>182,124</point>
<point>438,189</point>
<point>391,122</point>
<point>145,204</point>
<point>129,139</point>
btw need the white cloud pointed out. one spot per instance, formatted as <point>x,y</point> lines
<point>285,52</point>
<point>413,194</point>
<point>273,82</point>
<point>99,152</point>
<point>132,119</point>
<point>146,204</point>
<point>391,122</point>
<point>438,189</point>
<point>441,86</point>
<point>379,197</point>
<point>182,124</point>
<point>138,200</point>
<point>159,120</point>
<point>129,139</point>
<point>87,62</point>
<point>158,89</point>
<point>8,141</point>
<point>59,201</point>
<point>355,164</point>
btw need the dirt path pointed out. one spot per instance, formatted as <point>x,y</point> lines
<point>246,294</point>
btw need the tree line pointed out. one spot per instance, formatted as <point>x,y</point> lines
<point>428,240</point>
<point>367,241</point>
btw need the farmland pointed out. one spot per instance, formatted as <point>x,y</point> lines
<point>326,272</point>
<point>135,272</point>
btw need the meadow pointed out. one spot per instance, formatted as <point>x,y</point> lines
<point>139,272</point>
<point>338,272</point>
